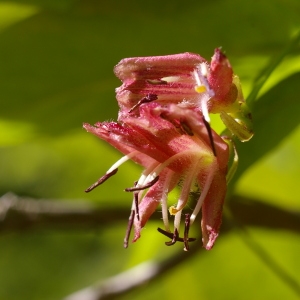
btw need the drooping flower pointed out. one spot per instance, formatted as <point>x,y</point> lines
<point>173,145</point>
<point>163,125</point>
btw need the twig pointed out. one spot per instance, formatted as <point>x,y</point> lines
<point>19,214</point>
<point>135,277</point>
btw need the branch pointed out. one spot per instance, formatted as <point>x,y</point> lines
<point>135,277</point>
<point>19,214</point>
<point>252,212</point>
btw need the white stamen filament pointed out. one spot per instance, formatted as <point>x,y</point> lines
<point>160,167</point>
<point>203,69</point>
<point>164,200</point>
<point>204,108</point>
<point>200,76</point>
<point>184,195</point>
<point>141,182</point>
<point>197,78</point>
<point>143,179</point>
<point>185,191</point>
<point>204,192</point>
<point>121,161</point>
<point>177,220</point>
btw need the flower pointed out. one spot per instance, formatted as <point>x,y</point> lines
<point>186,79</point>
<point>164,125</point>
<point>173,145</point>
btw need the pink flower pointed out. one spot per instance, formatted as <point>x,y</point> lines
<point>173,145</point>
<point>186,79</point>
<point>163,125</point>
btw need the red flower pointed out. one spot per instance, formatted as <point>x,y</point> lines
<point>186,79</point>
<point>163,125</point>
<point>173,145</point>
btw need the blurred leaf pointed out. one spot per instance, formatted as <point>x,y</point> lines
<point>265,74</point>
<point>275,116</point>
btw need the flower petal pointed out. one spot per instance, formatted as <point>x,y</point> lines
<point>220,79</point>
<point>212,210</point>
<point>169,77</point>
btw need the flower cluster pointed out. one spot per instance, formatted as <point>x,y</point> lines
<point>163,125</point>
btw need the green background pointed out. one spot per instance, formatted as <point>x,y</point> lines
<point>56,72</point>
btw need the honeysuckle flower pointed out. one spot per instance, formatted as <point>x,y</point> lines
<point>173,145</point>
<point>185,78</point>
<point>164,125</point>
<point>188,80</point>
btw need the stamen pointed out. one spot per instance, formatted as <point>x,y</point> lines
<point>204,108</point>
<point>136,203</point>
<point>146,173</point>
<point>185,192</point>
<point>174,239</point>
<point>164,199</point>
<point>129,227</point>
<point>200,76</point>
<point>171,235</point>
<point>204,192</point>
<point>167,162</point>
<point>101,180</point>
<point>208,128</point>
<point>147,99</point>
<point>186,232</point>
<point>122,160</point>
<point>200,89</point>
<point>140,188</point>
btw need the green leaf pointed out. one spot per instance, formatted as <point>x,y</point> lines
<point>275,116</point>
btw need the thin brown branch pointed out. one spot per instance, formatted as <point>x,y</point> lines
<point>251,212</point>
<point>19,214</point>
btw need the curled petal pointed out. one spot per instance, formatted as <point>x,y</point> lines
<point>156,67</point>
<point>127,140</point>
<point>220,79</point>
<point>212,210</point>
<point>169,77</point>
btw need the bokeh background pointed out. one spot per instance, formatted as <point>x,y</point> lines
<point>56,72</point>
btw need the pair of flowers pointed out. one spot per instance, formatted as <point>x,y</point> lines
<point>163,125</point>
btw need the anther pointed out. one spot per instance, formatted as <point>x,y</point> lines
<point>101,180</point>
<point>171,236</point>
<point>136,203</point>
<point>129,227</point>
<point>186,232</point>
<point>174,239</point>
<point>147,99</point>
<point>143,187</point>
